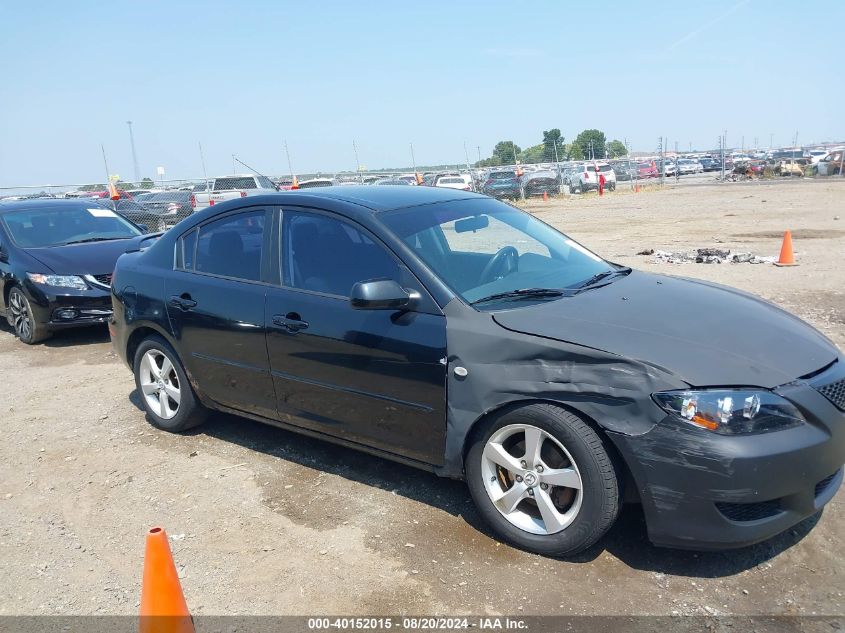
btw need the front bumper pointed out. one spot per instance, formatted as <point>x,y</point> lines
<point>706,491</point>
<point>60,308</point>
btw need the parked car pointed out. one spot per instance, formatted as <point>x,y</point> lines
<point>318,182</point>
<point>56,261</point>
<point>815,155</point>
<point>790,167</point>
<point>708,164</point>
<point>537,183</point>
<point>452,182</point>
<point>458,334</point>
<point>134,212</point>
<point>502,184</point>
<point>231,187</point>
<point>585,178</point>
<point>669,167</point>
<point>688,166</point>
<point>831,164</point>
<point>647,170</point>
<point>168,207</point>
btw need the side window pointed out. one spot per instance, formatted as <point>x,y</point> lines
<point>231,246</point>
<point>186,249</point>
<point>327,255</point>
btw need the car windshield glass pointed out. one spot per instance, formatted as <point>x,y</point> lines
<point>484,247</point>
<point>33,228</point>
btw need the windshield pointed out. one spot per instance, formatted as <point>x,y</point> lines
<point>485,247</point>
<point>34,228</point>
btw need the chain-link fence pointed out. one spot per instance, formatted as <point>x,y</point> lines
<point>158,205</point>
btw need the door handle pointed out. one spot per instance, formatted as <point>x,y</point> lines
<point>290,322</point>
<point>183,301</point>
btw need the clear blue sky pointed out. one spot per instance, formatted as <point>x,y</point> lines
<point>243,76</point>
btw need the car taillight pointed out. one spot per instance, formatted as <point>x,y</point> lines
<point>211,202</point>
<point>586,175</point>
<point>243,194</point>
<point>193,201</point>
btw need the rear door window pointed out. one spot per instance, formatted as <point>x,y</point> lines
<point>232,246</point>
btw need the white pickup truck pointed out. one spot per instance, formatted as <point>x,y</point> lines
<point>231,187</point>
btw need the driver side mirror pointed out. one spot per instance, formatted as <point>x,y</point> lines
<point>381,294</point>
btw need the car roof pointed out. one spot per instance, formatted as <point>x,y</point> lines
<point>373,197</point>
<point>7,206</point>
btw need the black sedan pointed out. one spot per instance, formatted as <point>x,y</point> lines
<point>458,334</point>
<point>56,261</point>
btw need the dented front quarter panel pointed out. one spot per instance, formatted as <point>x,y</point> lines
<point>505,367</point>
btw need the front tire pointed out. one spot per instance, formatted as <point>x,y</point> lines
<point>543,480</point>
<point>22,319</point>
<point>164,389</point>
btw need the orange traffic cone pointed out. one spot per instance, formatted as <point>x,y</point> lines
<point>163,607</point>
<point>545,196</point>
<point>636,188</point>
<point>786,258</point>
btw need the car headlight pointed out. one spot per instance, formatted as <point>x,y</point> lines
<point>59,281</point>
<point>731,411</point>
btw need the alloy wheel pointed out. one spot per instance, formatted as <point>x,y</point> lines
<point>21,317</point>
<point>532,479</point>
<point>160,384</point>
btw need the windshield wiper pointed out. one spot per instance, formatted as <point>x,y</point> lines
<point>592,281</point>
<point>93,239</point>
<point>522,293</point>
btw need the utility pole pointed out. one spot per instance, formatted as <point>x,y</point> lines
<point>478,147</point>
<point>722,154</point>
<point>134,155</point>
<point>662,160</point>
<point>290,165</point>
<point>234,169</point>
<point>771,141</point>
<point>466,155</point>
<point>413,160</point>
<point>202,161</point>
<point>106,164</point>
<point>357,162</point>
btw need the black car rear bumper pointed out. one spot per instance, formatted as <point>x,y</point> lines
<point>705,491</point>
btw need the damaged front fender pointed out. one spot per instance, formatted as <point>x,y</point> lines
<point>491,367</point>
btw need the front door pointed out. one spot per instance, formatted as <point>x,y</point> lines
<point>375,377</point>
<point>215,304</point>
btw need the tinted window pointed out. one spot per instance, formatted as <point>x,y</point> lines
<point>186,251</point>
<point>232,246</point>
<point>246,182</point>
<point>326,255</point>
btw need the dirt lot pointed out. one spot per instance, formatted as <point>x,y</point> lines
<point>264,521</point>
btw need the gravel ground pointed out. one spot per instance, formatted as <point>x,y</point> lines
<point>263,521</point>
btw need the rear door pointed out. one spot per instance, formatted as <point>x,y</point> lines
<point>215,305</point>
<point>375,377</point>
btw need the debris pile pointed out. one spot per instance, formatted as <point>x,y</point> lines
<point>706,256</point>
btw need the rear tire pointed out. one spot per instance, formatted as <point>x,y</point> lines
<point>163,387</point>
<point>567,495</point>
<point>22,319</point>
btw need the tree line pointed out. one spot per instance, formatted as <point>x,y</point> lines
<point>589,144</point>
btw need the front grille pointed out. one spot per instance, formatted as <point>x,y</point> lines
<point>750,511</point>
<point>835,392</point>
<point>824,483</point>
<point>103,279</point>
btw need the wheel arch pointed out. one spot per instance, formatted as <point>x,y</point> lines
<point>491,415</point>
<point>142,331</point>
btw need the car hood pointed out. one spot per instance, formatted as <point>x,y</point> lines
<point>93,258</point>
<point>705,334</point>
